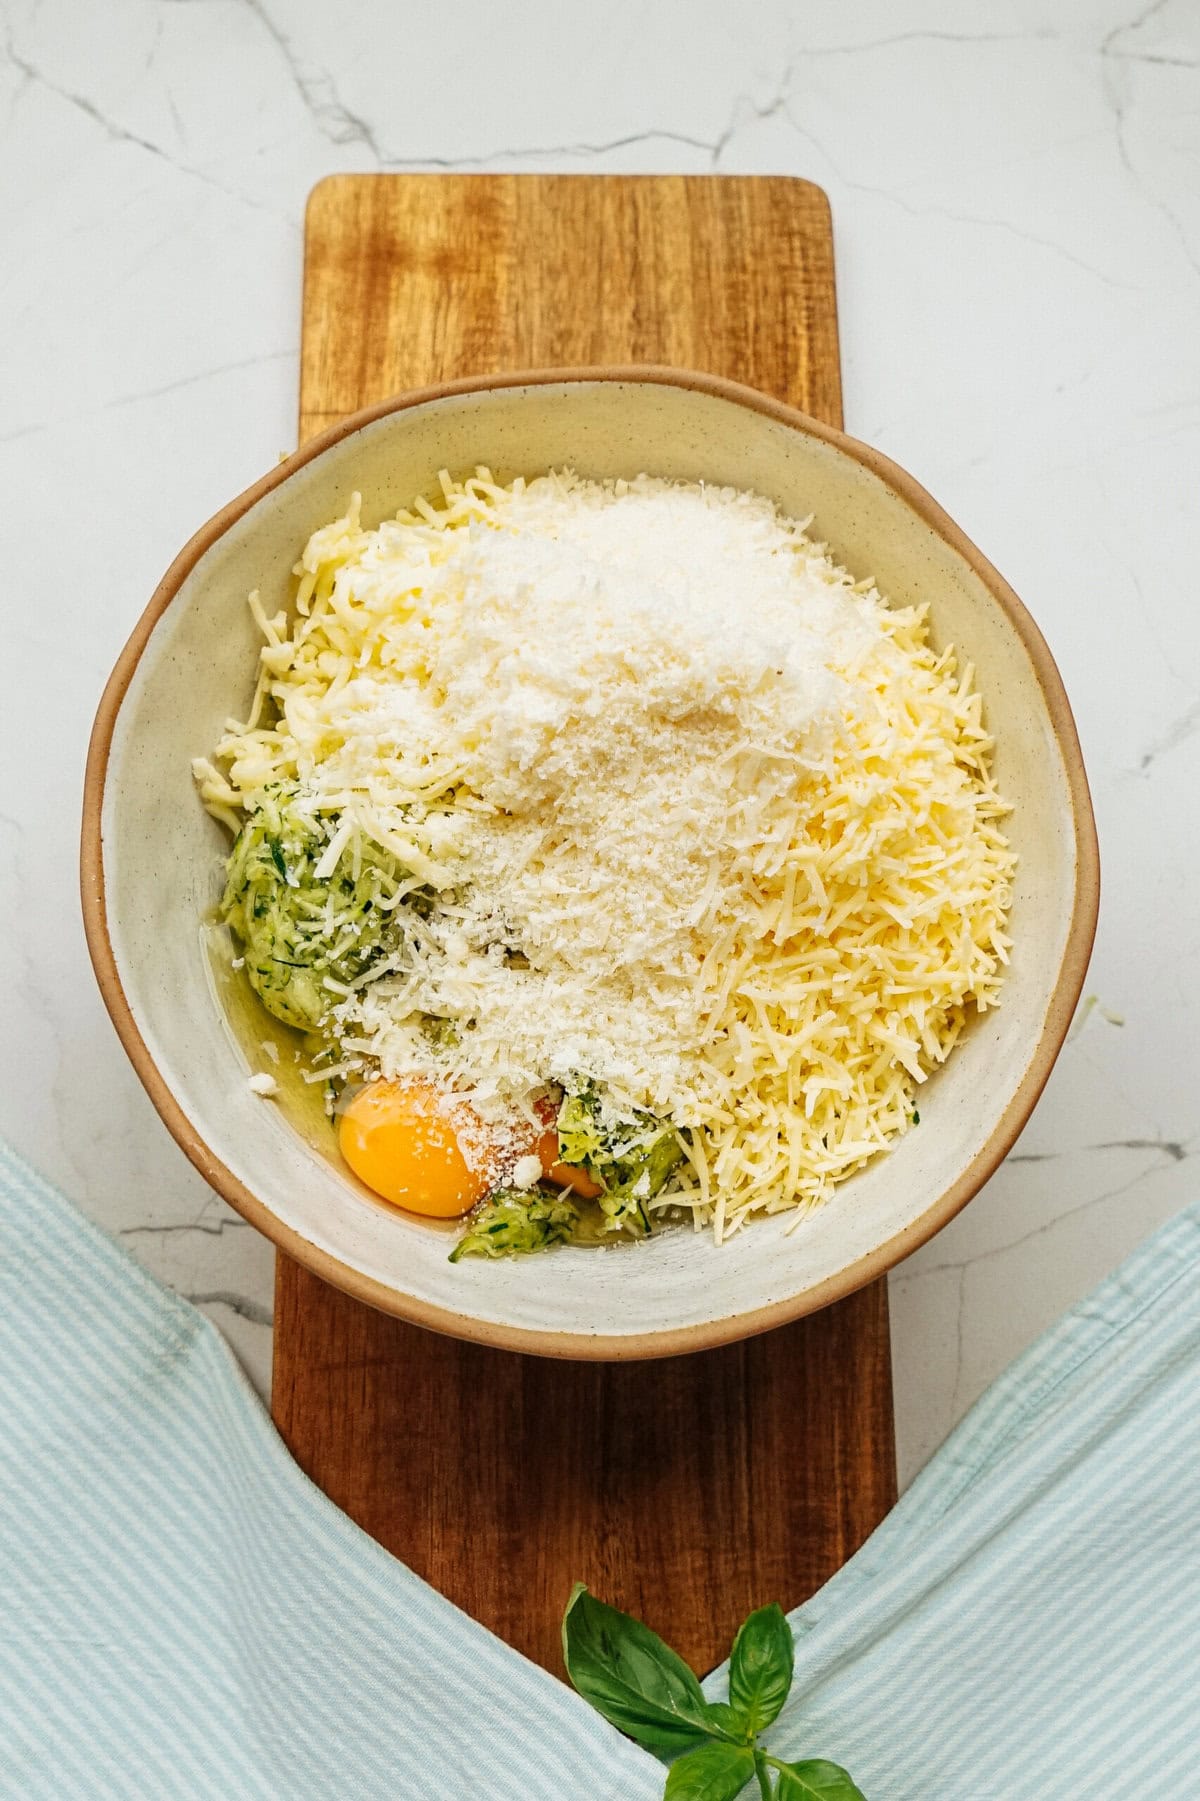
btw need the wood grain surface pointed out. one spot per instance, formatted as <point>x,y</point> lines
<point>687,1490</point>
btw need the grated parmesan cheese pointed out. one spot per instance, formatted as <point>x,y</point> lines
<point>705,822</point>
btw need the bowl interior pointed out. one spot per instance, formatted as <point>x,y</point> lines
<point>162,857</point>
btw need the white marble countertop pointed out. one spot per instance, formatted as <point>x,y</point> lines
<point>1016,204</point>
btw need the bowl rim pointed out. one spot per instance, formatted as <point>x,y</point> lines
<point>583,1345</point>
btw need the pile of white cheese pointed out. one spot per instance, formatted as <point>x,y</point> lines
<point>699,819</point>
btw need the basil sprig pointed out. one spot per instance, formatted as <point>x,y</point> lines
<point>641,1686</point>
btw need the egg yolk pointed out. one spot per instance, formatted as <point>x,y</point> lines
<point>399,1138</point>
<point>567,1175</point>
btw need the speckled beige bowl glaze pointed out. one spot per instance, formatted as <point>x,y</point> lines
<point>151,861</point>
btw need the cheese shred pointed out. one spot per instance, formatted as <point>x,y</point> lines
<point>697,820</point>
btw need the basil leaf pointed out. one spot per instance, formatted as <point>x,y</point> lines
<point>815,1780</point>
<point>760,1667</point>
<point>631,1677</point>
<point>727,1717</point>
<point>711,1773</point>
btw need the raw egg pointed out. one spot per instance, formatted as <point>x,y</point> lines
<point>567,1175</point>
<point>400,1139</point>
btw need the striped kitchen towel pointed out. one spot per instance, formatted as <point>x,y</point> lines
<point>1025,1625</point>
<point>182,1614</point>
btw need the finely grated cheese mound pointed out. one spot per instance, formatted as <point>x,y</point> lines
<point>698,819</point>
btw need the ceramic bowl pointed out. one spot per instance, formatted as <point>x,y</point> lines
<point>151,862</point>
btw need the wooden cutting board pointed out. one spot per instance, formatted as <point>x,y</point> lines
<point>688,1490</point>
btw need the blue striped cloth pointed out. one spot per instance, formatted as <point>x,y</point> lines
<point>182,1614</point>
<point>1025,1625</point>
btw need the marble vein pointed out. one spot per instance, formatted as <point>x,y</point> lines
<point>1176,734</point>
<point>340,124</point>
<point>893,198</point>
<point>1116,63</point>
<point>1038,35</point>
<point>117,133</point>
<point>241,1304</point>
<point>211,1228</point>
<point>1177,1149</point>
<point>145,394</point>
<point>977,1259</point>
<point>317,92</point>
